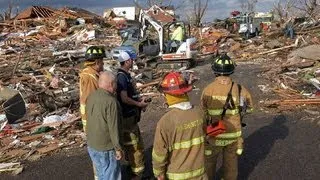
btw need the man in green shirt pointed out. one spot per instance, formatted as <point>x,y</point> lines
<point>103,136</point>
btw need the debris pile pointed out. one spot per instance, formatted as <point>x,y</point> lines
<point>32,140</point>
<point>209,39</point>
<point>41,54</point>
<point>291,64</point>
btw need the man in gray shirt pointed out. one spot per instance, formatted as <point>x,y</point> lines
<point>103,134</point>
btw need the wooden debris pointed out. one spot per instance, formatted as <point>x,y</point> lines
<point>282,48</point>
<point>288,93</point>
<point>16,152</point>
<point>48,148</point>
<point>156,82</point>
<point>292,102</point>
<point>32,137</point>
<point>6,167</point>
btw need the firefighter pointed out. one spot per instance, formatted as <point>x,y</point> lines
<point>131,105</point>
<point>222,102</point>
<point>89,80</point>
<point>89,77</point>
<point>178,150</point>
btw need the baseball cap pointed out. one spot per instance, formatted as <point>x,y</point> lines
<point>123,56</point>
<point>132,55</point>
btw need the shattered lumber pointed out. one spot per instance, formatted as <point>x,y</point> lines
<point>282,48</point>
<point>278,49</point>
<point>149,84</point>
<point>292,102</point>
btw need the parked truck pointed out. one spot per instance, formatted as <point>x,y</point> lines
<point>248,25</point>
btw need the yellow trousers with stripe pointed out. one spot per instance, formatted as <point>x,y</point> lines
<point>133,146</point>
<point>229,164</point>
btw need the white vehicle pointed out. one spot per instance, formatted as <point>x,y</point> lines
<point>184,51</point>
<point>248,25</point>
<point>181,55</point>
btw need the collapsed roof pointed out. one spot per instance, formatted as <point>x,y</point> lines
<point>78,13</point>
<point>36,12</point>
<point>160,15</point>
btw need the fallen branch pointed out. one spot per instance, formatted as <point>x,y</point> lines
<point>8,166</point>
<point>16,65</point>
<point>10,169</point>
<point>282,48</point>
<point>292,102</point>
<point>149,84</point>
<point>308,30</point>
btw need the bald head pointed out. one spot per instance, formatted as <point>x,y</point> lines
<point>107,81</point>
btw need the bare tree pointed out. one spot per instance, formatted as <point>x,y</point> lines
<point>248,5</point>
<point>150,3</point>
<point>7,14</point>
<point>252,5</point>
<point>199,9</point>
<point>243,5</point>
<point>283,8</point>
<point>159,2</point>
<point>194,11</point>
<point>309,7</point>
<point>154,2</point>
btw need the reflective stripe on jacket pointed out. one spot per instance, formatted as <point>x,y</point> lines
<point>88,83</point>
<point>178,150</point>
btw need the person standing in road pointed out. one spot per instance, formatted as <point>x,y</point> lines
<point>131,105</point>
<point>223,102</point>
<point>103,136</point>
<point>89,77</point>
<point>178,150</point>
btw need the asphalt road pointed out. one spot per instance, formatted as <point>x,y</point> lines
<point>277,145</point>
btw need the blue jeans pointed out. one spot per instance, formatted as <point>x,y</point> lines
<point>290,32</point>
<point>107,167</point>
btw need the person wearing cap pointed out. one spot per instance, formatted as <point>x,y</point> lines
<point>131,105</point>
<point>223,102</point>
<point>178,149</point>
<point>93,65</point>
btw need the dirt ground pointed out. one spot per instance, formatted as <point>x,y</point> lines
<point>278,145</point>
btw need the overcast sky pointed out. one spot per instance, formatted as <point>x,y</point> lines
<point>216,8</point>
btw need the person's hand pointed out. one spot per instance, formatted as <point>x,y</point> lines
<point>119,155</point>
<point>161,177</point>
<point>142,103</point>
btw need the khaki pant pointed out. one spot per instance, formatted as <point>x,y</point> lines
<point>133,145</point>
<point>229,164</point>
